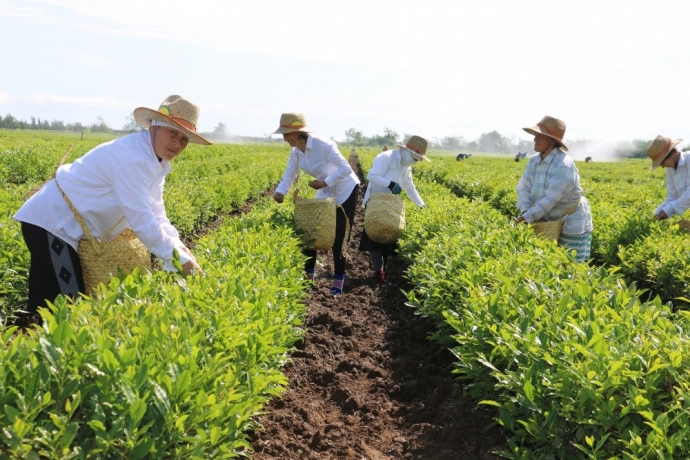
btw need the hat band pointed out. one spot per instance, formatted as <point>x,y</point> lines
<point>185,124</point>
<point>408,146</point>
<point>661,152</point>
<point>293,126</point>
<point>547,131</point>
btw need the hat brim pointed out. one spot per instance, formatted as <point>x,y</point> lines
<point>282,130</point>
<point>537,130</point>
<point>415,155</point>
<point>144,116</point>
<point>657,163</point>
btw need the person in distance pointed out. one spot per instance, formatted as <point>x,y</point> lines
<point>550,190</point>
<point>663,152</point>
<point>391,172</point>
<point>320,158</point>
<point>116,185</point>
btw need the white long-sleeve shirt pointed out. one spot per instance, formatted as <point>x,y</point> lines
<point>677,188</point>
<point>387,167</point>
<point>116,185</point>
<point>322,160</point>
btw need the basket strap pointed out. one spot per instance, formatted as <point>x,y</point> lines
<point>33,190</point>
<point>295,193</point>
<point>80,219</point>
<point>572,208</point>
<point>346,237</point>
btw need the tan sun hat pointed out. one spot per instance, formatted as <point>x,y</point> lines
<point>550,127</point>
<point>291,122</point>
<point>417,145</point>
<point>176,111</point>
<point>659,148</point>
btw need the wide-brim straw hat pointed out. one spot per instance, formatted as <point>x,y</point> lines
<point>659,148</point>
<point>550,127</point>
<point>417,145</point>
<point>291,122</point>
<point>176,111</point>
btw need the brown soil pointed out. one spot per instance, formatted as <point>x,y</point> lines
<point>366,384</point>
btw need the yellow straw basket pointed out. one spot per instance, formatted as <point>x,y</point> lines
<point>101,259</point>
<point>384,218</point>
<point>315,221</point>
<point>550,230</point>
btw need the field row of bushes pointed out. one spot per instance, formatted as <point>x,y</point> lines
<point>205,183</point>
<point>574,361</point>
<point>156,366</point>
<point>623,197</point>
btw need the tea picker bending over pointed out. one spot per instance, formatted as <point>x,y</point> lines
<point>320,158</point>
<point>391,172</point>
<point>663,152</point>
<point>549,189</point>
<point>116,185</point>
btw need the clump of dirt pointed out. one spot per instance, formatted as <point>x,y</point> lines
<point>365,383</point>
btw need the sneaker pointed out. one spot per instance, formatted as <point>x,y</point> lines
<point>338,283</point>
<point>381,278</point>
<point>310,275</point>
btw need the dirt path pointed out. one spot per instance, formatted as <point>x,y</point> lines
<point>366,384</point>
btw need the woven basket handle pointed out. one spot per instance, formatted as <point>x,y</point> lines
<point>80,219</point>
<point>572,208</point>
<point>33,190</point>
<point>296,192</point>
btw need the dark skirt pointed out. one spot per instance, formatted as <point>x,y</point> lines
<point>365,244</point>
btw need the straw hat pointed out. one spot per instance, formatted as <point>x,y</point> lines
<point>418,147</point>
<point>175,111</point>
<point>659,148</point>
<point>550,127</point>
<point>291,122</point>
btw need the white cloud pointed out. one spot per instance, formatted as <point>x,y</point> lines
<point>443,67</point>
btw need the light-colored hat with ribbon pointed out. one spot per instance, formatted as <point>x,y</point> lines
<point>176,112</point>
<point>417,145</point>
<point>659,148</point>
<point>550,127</point>
<point>291,122</point>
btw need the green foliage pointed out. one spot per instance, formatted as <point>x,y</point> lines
<point>569,356</point>
<point>205,183</point>
<point>157,366</point>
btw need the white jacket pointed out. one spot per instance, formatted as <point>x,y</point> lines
<point>121,178</point>
<point>322,160</point>
<point>388,167</point>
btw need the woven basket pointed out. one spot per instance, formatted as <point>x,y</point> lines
<point>550,230</point>
<point>100,260</point>
<point>384,218</point>
<point>315,221</point>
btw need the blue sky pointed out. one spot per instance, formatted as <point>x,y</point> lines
<point>610,69</point>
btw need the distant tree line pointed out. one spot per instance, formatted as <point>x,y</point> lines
<point>10,122</point>
<point>494,142</point>
<point>487,142</point>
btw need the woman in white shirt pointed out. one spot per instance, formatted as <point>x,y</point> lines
<point>320,158</point>
<point>116,185</point>
<point>391,172</point>
<point>663,152</point>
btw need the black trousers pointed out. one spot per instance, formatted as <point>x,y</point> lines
<point>55,268</point>
<point>347,212</point>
